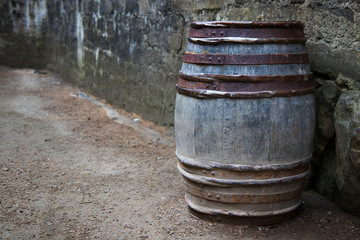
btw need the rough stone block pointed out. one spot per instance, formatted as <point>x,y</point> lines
<point>347,125</point>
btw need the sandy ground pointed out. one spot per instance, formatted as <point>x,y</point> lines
<point>68,171</point>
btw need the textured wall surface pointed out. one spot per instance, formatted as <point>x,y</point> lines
<point>129,52</point>
<point>347,125</point>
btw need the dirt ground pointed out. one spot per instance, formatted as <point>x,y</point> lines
<point>69,171</point>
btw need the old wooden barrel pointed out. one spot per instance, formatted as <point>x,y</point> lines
<point>244,119</point>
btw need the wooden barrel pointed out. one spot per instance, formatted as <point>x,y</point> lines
<point>244,118</point>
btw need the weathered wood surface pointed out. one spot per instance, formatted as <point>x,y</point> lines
<point>245,131</point>
<point>255,152</point>
<point>263,70</point>
<point>247,49</point>
<point>238,156</point>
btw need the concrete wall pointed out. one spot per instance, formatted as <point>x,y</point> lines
<point>129,52</point>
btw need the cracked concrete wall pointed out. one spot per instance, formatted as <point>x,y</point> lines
<point>126,52</point>
<point>129,52</point>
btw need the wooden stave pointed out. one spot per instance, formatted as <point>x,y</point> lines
<point>294,70</point>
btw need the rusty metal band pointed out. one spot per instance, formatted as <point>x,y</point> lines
<point>226,59</point>
<point>196,93</point>
<point>245,86</point>
<point>238,182</point>
<point>203,209</point>
<point>241,40</point>
<point>247,33</point>
<point>242,198</point>
<point>247,24</point>
<point>210,78</point>
<point>243,90</point>
<point>209,165</point>
<point>228,174</point>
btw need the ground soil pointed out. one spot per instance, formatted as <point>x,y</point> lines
<point>68,171</point>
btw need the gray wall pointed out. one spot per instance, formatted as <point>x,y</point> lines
<point>129,52</point>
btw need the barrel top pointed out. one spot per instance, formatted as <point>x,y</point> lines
<point>248,24</point>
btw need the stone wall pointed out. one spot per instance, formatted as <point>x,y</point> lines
<point>129,52</point>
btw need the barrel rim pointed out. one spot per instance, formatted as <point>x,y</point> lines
<point>242,40</point>
<point>240,167</point>
<point>213,194</point>
<point>211,211</point>
<point>205,77</point>
<point>245,59</point>
<point>205,93</point>
<point>248,24</point>
<point>237,182</point>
